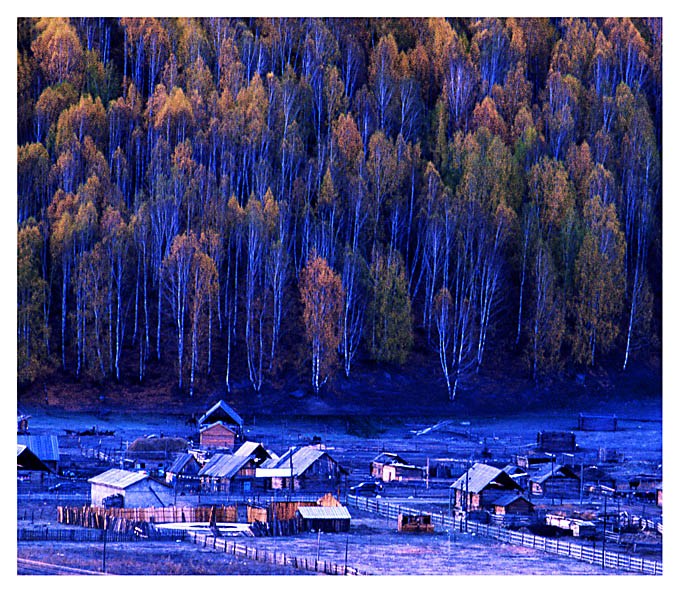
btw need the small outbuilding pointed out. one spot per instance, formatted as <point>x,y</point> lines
<point>333,519</point>
<point>600,423</point>
<point>136,489</point>
<point>401,472</point>
<point>217,436</point>
<point>184,471</point>
<point>556,441</point>
<point>381,461</point>
<point>511,503</point>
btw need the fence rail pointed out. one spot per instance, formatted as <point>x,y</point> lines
<point>588,554</point>
<point>273,557</point>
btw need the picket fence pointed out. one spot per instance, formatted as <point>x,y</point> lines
<point>588,554</point>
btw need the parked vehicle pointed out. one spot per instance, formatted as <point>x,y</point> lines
<point>366,488</point>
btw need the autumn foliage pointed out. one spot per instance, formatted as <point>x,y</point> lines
<point>197,194</point>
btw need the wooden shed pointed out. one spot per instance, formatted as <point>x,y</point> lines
<point>136,489</point>
<point>325,519</point>
<point>217,436</point>
<point>184,471</point>
<point>554,480</point>
<point>556,440</point>
<point>601,423</point>
<point>45,447</point>
<point>225,472</point>
<point>381,461</point>
<point>482,483</point>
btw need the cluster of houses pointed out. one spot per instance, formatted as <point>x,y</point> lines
<point>224,463</point>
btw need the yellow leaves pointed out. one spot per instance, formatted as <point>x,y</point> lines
<point>58,51</point>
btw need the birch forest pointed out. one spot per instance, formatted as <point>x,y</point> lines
<point>242,200</point>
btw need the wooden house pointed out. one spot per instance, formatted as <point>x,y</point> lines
<point>136,489</point>
<point>482,483</point>
<point>301,468</point>
<point>519,474</point>
<point>556,441</point>
<point>31,471</point>
<point>224,413</point>
<point>184,471</point>
<point>226,472</point>
<point>381,461</point>
<point>600,423</point>
<point>217,436</point>
<point>554,480</point>
<point>401,472</point>
<point>45,447</point>
<point>326,519</point>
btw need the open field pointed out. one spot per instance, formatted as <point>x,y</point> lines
<point>148,558</point>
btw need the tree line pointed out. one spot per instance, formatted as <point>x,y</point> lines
<point>189,187</point>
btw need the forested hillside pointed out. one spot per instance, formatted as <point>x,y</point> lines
<point>242,199</point>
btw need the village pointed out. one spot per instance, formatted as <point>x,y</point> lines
<point>265,493</point>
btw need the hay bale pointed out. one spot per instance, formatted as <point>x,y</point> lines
<point>169,444</point>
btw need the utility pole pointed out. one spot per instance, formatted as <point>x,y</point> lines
<point>427,475</point>
<point>104,553</point>
<point>467,495</point>
<point>580,494</point>
<point>318,543</point>
<point>604,528</point>
<point>346,550</point>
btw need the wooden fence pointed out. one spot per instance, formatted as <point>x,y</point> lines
<point>93,535</point>
<point>272,557</point>
<point>92,516</point>
<point>588,554</point>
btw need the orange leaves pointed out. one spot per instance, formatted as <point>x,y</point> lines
<point>323,297</point>
<point>58,51</point>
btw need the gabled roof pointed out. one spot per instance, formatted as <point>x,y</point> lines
<point>181,462</point>
<point>223,465</point>
<point>46,447</point>
<point>119,478</point>
<point>218,423</point>
<point>390,458</point>
<point>505,498</point>
<point>303,458</point>
<point>221,411</point>
<point>482,475</point>
<point>515,470</point>
<point>324,512</point>
<point>542,472</point>
<point>226,465</point>
<point>28,461</point>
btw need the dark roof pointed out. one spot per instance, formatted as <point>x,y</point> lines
<point>217,423</point>
<point>386,458</point>
<point>513,470</point>
<point>221,411</point>
<point>542,472</point>
<point>481,475</point>
<point>506,498</point>
<point>46,447</point>
<point>180,463</point>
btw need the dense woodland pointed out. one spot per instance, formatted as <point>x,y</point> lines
<point>202,193</point>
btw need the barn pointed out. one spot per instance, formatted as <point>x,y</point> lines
<point>333,519</point>
<point>217,436</point>
<point>310,467</point>
<point>554,480</point>
<point>135,489</point>
<point>223,412</point>
<point>483,484</point>
<point>381,461</point>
